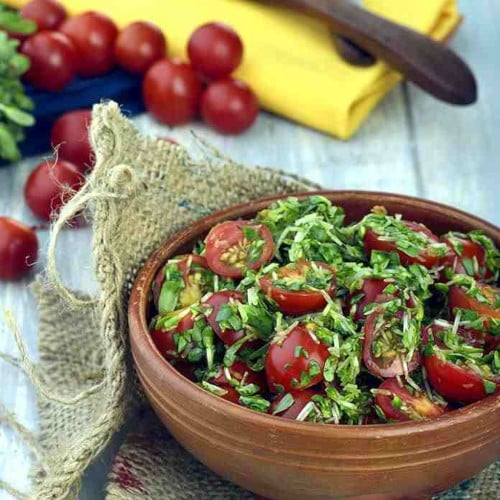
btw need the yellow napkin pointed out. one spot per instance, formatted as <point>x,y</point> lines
<point>289,59</point>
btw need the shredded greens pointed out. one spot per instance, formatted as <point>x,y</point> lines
<point>316,252</point>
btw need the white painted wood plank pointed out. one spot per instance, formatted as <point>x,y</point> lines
<point>458,149</point>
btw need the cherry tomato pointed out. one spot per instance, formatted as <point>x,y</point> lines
<point>464,254</point>
<point>229,106</point>
<point>373,291</point>
<point>47,14</point>
<point>295,361</point>
<point>215,302</point>
<point>215,50</point>
<point>233,246</point>
<point>402,405</point>
<point>300,399</point>
<point>188,265</point>
<point>241,373</point>
<point>18,249</point>
<point>139,46</point>
<point>457,383</point>
<point>375,241</point>
<point>458,298</point>
<point>171,92</point>
<point>389,362</point>
<point>470,337</point>
<point>49,186</point>
<point>94,36</point>
<point>164,339</point>
<point>297,301</point>
<point>70,135</point>
<point>53,60</point>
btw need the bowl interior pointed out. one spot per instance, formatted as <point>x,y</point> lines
<point>437,217</point>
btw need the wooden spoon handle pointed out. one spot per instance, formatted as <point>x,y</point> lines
<point>429,64</point>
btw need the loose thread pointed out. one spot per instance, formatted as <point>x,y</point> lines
<point>35,377</point>
<point>13,491</point>
<point>29,438</point>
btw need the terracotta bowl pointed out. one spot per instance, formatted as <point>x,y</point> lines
<point>284,459</point>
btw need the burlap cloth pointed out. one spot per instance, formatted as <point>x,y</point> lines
<point>141,191</point>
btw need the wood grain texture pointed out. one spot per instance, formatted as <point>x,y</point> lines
<point>411,144</point>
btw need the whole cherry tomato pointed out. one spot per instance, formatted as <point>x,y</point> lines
<point>427,257</point>
<point>299,401</point>
<point>53,60</point>
<point>214,303</point>
<point>215,50</point>
<point>164,339</point>
<point>295,360</point>
<point>50,185</point>
<point>234,246</point>
<point>70,135</point>
<point>139,46</point>
<point>229,106</point>
<point>402,405</point>
<point>47,14</point>
<point>94,36</point>
<point>293,301</point>
<point>171,92</point>
<point>458,298</point>
<point>457,383</point>
<point>18,249</point>
<point>467,256</point>
<point>383,350</point>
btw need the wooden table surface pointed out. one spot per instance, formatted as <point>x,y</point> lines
<point>411,144</point>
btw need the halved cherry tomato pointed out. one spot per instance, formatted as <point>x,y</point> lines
<point>375,241</point>
<point>402,405</point>
<point>457,383</point>
<point>233,246</point>
<point>458,298</point>
<point>295,360</point>
<point>18,249</point>
<point>373,291</point>
<point>300,399</point>
<point>188,264</point>
<point>390,362</point>
<point>474,338</point>
<point>297,301</point>
<point>241,373</point>
<point>215,302</point>
<point>164,339</point>
<point>463,254</point>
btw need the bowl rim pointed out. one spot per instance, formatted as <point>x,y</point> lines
<point>138,326</point>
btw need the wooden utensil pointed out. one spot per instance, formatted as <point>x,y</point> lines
<point>428,64</point>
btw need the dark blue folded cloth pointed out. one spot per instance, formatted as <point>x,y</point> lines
<point>118,85</point>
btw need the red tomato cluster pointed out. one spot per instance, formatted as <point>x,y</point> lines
<point>174,92</point>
